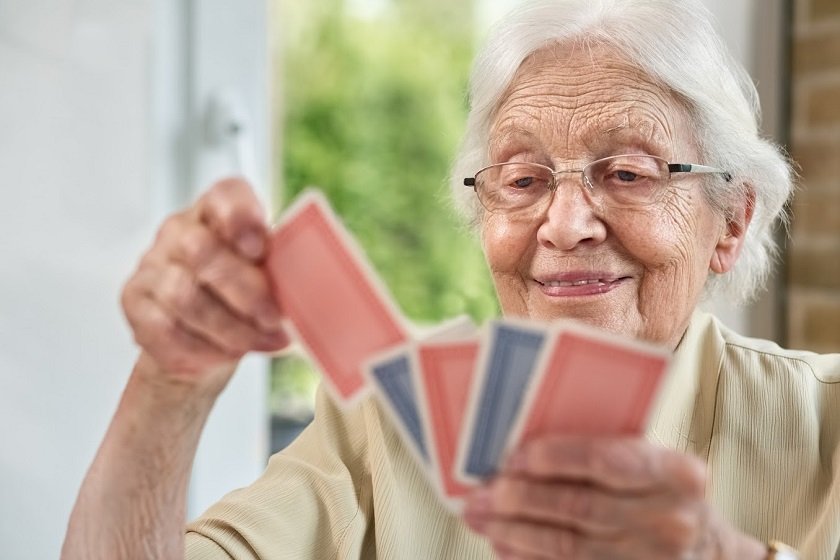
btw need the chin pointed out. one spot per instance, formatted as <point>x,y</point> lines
<point>617,319</point>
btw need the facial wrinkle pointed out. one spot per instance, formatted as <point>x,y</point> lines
<point>512,140</point>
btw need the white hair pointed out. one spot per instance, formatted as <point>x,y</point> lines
<point>675,43</point>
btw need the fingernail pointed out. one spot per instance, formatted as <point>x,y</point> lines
<point>251,244</point>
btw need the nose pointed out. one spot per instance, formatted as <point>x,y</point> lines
<point>571,219</point>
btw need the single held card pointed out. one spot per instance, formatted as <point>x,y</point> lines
<point>506,363</point>
<point>590,383</point>
<point>338,308</point>
<point>389,375</point>
<point>443,375</point>
<point>391,380</point>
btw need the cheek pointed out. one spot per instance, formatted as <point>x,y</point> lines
<point>675,243</point>
<point>507,244</point>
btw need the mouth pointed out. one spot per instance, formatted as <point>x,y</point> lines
<point>580,284</point>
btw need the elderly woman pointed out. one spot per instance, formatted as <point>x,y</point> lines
<point>617,176</point>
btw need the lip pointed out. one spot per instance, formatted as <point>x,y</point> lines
<point>579,284</point>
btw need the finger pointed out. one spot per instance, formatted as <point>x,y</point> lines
<point>533,540</point>
<point>233,212</point>
<point>243,287</point>
<point>672,536</point>
<point>203,314</point>
<point>579,506</point>
<point>623,464</point>
<point>172,346</point>
<point>506,553</point>
<point>240,283</point>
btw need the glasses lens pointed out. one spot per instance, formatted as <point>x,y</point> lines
<point>507,187</point>
<point>630,180</point>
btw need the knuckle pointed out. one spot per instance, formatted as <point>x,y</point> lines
<point>152,328</point>
<point>593,456</point>
<point>160,327</point>
<point>579,502</point>
<point>233,197</point>
<point>507,494</point>
<point>178,292</point>
<point>195,246</point>
<point>624,459</point>
<point>678,531</point>
<point>170,226</point>
<point>221,198</point>
<point>151,258</point>
<point>228,185</point>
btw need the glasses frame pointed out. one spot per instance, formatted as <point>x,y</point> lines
<point>552,187</point>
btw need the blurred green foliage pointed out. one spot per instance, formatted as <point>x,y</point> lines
<point>372,112</point>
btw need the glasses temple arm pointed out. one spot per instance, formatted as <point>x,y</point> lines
<point>695,168</point>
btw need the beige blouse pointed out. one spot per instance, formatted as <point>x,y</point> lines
<point>766,420</point>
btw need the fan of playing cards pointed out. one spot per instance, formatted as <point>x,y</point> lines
<point>461,397</point>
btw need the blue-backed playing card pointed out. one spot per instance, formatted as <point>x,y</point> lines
<point>509,354</point>
<point>389,375</point>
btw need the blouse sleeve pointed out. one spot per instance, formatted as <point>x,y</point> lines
<point>313,500</point>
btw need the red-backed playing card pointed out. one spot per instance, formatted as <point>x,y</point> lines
<point>590,383</point>
<point>444,373</point>
<point>339,310</point>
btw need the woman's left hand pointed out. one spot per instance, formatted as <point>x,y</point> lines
<point>583,497</point>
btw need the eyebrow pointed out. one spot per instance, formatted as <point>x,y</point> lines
<point>509,134</point>
<point>640,133</point>
<point>646,136</point>
<point>512,131</point>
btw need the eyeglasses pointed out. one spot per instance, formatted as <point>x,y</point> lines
<point>623,181</point>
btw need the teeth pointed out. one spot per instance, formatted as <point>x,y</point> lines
<point>557,284</point>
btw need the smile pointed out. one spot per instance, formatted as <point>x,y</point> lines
<point>562,284</point>
<point>577,285</point>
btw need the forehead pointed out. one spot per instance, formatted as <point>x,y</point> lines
<point>580,102</point>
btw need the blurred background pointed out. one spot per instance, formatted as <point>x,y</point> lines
<point>115,113</point>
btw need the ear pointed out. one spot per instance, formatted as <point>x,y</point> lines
<point>729,245</point>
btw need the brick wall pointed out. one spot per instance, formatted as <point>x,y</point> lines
<point>813,270</point>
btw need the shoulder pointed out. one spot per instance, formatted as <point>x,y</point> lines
<point>765,357</point>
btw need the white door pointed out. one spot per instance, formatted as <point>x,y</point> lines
<point>101,110</point>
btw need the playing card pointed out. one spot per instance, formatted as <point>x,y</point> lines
<point>507,359</point>
<point>390,378</point>
<point>590,383</point>
<point>389,375</point>
<point>338,309</point>
<point>443,374</point>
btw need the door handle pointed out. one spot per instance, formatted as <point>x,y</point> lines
<point>227,128</point>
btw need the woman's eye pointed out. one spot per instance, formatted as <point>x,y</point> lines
<point>626,176</point>
<point>523,182</point>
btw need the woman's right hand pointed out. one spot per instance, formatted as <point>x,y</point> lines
<point>200,298</point>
